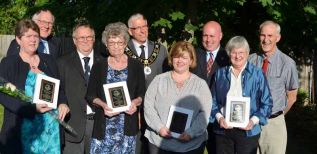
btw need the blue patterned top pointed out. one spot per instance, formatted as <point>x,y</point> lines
<point>114,142</point>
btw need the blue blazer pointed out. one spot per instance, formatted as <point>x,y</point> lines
<point>254,85</point>
<point>14,70</point>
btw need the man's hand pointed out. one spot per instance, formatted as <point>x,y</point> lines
<point>63,110</point>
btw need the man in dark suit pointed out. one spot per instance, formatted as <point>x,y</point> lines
<point>210,57</point>
<point>48,43</point>
<point>150,54</point>
<point>74,70</point>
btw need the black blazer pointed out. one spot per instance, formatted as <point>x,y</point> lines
<point>136,87</point>
<point>72,78</point>
<point>14,70</point>
<point>54,45</point>
<point>222,59</point>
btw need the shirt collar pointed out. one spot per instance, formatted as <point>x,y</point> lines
<point>136,44</point>
<point>81,56</point>
<point>214,52</point>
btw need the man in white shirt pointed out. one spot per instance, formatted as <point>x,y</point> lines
<point>74,71</point>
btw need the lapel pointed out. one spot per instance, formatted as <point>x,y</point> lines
<point>77,63</point>
<point>131,47</point>
<point>150,47</point>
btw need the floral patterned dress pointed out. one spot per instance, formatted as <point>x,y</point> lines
<point>114,142</point>
<point>40,134</point>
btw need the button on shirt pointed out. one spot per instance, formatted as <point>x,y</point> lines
<point>138,49</point>
<point>282,76</point>
<point>91,62</point>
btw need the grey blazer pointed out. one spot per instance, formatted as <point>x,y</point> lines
<point>157,66</point>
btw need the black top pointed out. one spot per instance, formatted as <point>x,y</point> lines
<point>136,87</point>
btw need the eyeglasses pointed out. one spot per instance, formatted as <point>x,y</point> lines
<point>139,27</point>
<point>83,38</point>
<point>115,43</point>
<point>45,22</point>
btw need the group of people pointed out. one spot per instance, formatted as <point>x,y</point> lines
<point>200,80</point>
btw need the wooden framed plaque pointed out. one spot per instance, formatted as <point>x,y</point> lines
<point>46,90</point>
<point>117,96</point>
<point>179,119</point>
<point>237,111</point>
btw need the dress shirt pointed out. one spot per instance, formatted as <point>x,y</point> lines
<point>91,62</point>
<point>138,49</point>
<point>214,54</point>
<point>46,49</point>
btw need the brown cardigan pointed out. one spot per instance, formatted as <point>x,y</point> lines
<point>136,87</point>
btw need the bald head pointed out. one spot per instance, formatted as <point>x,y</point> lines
<point>212,35</point>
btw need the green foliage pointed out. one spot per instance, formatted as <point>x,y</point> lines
<point>302,96</point>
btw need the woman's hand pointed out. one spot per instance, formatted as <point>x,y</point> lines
<point>184,137</point>
<point>165,132</point>
<point>108,111</point>
<point>223,123</point>
<point>133,107</point>
<point>249,126</point>
<point>63,110</point>
<point>42,108</point>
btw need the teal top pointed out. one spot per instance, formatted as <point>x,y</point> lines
<point>40,134</point>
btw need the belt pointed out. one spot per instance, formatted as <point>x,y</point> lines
<point>276,114</point>
<point>90,116</point>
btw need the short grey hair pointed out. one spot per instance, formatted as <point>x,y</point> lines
<point>36,14</point>
<point>135,17</point>
<point>86,25</point>
<point>237,42</point>
<point>270,22</point>
<point>117,29</point>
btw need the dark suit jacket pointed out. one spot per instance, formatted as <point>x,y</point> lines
<point>136,87</point>
<point>54,45</point>
<point>72,78</point>
<point>14,70</point>
<point>221,60</point>
<point>157,66</point>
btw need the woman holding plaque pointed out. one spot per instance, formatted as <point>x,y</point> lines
<point>178,89</point>
<point>29,128</point>
<point>115,132</point>
<point>233,84</point>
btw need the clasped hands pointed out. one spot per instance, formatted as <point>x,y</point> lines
<point>223,124</point>
<point>165,132</point>
<point>109,112</point>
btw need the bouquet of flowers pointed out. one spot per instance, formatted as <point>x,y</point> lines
<point>11,90</point>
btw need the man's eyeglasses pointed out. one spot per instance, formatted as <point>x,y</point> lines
<point>87,38</point>
<point>115,43</point>
<point>45,22</point>
<point>139,27</point>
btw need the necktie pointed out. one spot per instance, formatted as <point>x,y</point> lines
<point>265,65</point>
<point>41,47</point>
<point>142,51</point>
<point>209,63</point>
<point>87,68</point>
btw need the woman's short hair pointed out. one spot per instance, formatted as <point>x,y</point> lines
<point>237,42</point>
<point>178,50</point>
<point>117,29</point>
<point>24,25</point>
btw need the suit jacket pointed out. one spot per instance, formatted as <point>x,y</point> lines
<point>54,45</point>
<point>157,65</point>
<point>221,60</point>
<point>14,70</point>
<point>136,87</point>
<point>72,78</point>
